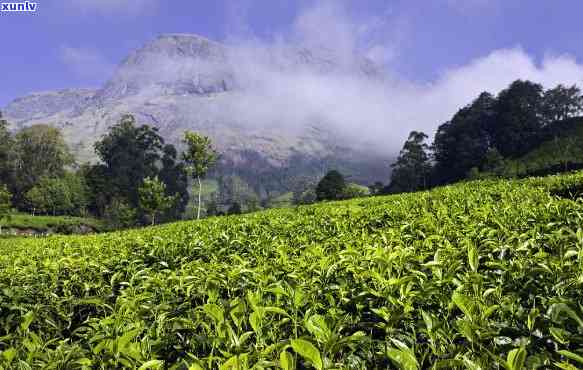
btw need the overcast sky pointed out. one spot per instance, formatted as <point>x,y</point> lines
<point>77,43</point>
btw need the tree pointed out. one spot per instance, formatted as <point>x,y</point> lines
<point>120,215</point>
<point>493,163</point>
<point>461,143</point>
<point>199,157</point>
<point>64,195</point>
<point>331,186</point>
<point>411,170</point>
<point>7,157</point>
<point>376,188</point>
<point>173,175</point>
<point>40,151</point>
<point>355,191</point>
<point>561,103</point>
<point>235,209</point>
<point>5,204</point>
<point>153,198</point>
<point>129,154</point>
<point>519,118</point>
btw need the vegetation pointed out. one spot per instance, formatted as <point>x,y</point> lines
<point>331,186</point>
<point>5,205</point>
<point>54,224</point>
<point>199,157</point>
<point>493,136</point>
<point>484,274</point>
<point>412,168</point>
<point>153,198</point>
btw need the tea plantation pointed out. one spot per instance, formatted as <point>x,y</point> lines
<point>479,275</point>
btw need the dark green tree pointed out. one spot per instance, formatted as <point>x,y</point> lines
<point>5,205</point>
<point>412,168</point>
<point>173,175</point>
<point>561,103</point>
<point>129,154</point>
<point>7,157</point>
<point>235,209</point>
<point>331,186</point>
<point>462,143</point>
<point>518,123</point>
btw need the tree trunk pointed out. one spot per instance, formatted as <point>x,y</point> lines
<point>199,197</point>
<point>153,219</point>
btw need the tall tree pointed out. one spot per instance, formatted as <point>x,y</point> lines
<point>411,170</point>
<point>199,156</point>
<point>518,122</point>
<point>5,205</point>
<point>173,175</point>
<point>129,154</point>
<point>561,103</point>
<point>7,156</point>
<point>462,143</point>
<point>40,151</point>
<point>331,186</point>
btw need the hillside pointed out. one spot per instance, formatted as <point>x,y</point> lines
<point>483,274</point>
<point>179,82</point>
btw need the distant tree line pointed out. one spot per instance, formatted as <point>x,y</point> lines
<point>139,180</point>
<point>481,135</point>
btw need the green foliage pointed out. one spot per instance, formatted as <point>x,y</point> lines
<point>412,168</point>
<point>120,215</point>
<point>561,151</point>
<point>200,157</point>
<point>174,177</point>
<point>129,154</point>
<point>561,103</point>
<point>235,209</point>
<point>57,196</point>
<point>520,119</point>
<point>355,191</point>
<point>331,186</point>
<point>199,154</point>
<point>40,151</point>
<point>43,224</point>
<point>461,143</point>
<point>7,155</point>
<point>153,198</point>
<point>482,274</point>
<point>6,209</point>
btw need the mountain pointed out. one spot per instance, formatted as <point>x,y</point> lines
<point>233,94</point>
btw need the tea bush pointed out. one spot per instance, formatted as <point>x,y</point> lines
<point>478,275</point>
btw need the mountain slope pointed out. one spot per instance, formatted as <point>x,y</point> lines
<point>180,81</point>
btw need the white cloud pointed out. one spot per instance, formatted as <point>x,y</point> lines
<point>86,62</point>
<point>280,90</point>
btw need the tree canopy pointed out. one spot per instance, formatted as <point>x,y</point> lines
<point>331,186</point>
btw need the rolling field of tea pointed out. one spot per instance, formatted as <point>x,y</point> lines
<point>479,275</point>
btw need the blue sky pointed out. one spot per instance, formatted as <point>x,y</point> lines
<point>77,43</point>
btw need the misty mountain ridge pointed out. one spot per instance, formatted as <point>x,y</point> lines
<point>254,102</point>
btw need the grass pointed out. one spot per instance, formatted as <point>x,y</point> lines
<point>485,274</point>
<point>43,223</point>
